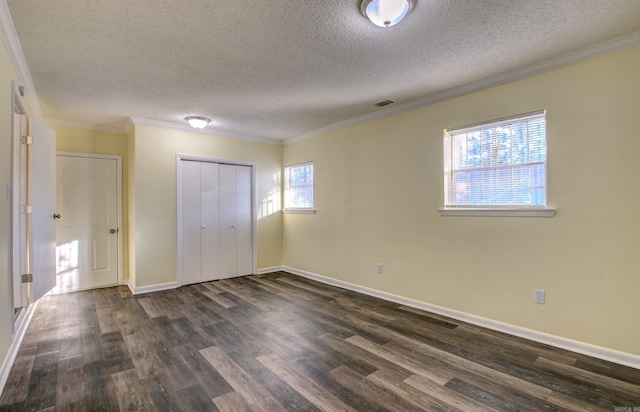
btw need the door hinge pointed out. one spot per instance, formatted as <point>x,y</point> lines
<point>27,278</point>
<point>26,140</point>
<point>26,209</point>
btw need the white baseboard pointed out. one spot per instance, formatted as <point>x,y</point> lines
<point>18,336</point>
<point>172,285</point>
<point>151,288</point>
<point>588,349</point>
<point>268,270</point>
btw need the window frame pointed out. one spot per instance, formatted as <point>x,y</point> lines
<point>492,210</point>
<point>298,209</point>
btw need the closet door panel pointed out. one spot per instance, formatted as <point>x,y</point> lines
<point>210,221</point>
<point>228,206</point>
<point>244,226</point>
<point>190,220</point>
<point>216,221</point>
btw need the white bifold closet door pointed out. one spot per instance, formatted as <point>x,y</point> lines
<point>217,231</point>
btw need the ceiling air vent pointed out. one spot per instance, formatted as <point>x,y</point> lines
<point>384,103</point>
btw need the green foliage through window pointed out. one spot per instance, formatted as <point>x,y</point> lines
<point>299,186</point>
<point>501,163</point>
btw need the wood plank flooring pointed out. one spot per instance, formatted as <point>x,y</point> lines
<point>278,342</point>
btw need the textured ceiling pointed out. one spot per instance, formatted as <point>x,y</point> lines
<point>283,68</point>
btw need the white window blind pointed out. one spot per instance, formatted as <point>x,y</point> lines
<point>298,190</point>
<point>498,164</point>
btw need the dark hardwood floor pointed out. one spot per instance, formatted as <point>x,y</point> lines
<point>279,342</point>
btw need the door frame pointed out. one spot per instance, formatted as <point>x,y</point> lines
<point>254,205</point>
<point>118,159</point>
<point>19,294</point>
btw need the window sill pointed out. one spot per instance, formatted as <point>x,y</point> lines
<point>299,211</point>
<point>498,212</point>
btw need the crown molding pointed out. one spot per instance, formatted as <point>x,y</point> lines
<point>554,63</point>
<point>85,126</point>
<point>207,130</point>
<point>129,126</point>
<point>131,122</point>
<point>14,49</point>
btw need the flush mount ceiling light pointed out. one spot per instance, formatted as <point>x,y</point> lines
<point>197,122</point>
<point>386,13</point>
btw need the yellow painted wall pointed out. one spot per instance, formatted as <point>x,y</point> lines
<point>155,198</point>
<point>378,187</point>
<point>7,75</point>
<point>70,139</point>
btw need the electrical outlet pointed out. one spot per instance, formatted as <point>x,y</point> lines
<point>379,267</point>
<point>539,296</point>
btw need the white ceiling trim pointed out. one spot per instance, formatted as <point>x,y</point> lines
<point>85,126</point>
<point>578,56</point>
<point>207,130</point>
<point>14,49</point>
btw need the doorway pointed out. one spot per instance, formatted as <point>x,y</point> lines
<point>88,210</point>
<point>32,197</point>
<point>18,207</point>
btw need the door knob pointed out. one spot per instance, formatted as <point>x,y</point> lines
<point>112,231</point>
<point>56,216</point>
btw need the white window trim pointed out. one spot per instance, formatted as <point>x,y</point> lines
<point>299,210</point>
<point>529,212</point>
<point>498,211</point>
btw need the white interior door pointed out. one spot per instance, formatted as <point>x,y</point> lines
<point>190,222</point>
<point>215,221</point>
<point>19,199</point>
<point>43,184</point>
<point>87,240</point>
<point>210,220</point>
<point>228,221</point>
<point>244,221</point>
<point>236,233</point>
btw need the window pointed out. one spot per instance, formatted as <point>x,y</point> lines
<point>497,165</point>
<point>298,191</point>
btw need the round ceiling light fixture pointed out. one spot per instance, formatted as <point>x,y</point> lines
<point>197,122</point>
<point>386,13</point>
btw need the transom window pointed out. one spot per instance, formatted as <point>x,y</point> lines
<point>497,164</point>
<point>298,191</point>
